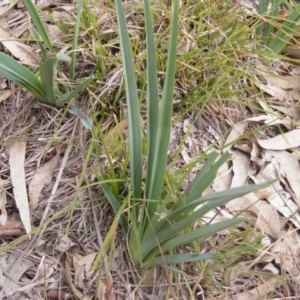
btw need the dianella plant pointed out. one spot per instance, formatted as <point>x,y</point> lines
<point>154,226</point>
<point>44,84</point>
<point>278,32</point>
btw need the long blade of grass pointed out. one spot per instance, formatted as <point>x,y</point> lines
<point>273,15</point>
<point>205,177</point>
<point>17,73</point>
<point>134,123</point>
<point>37,38</point>
<point>47,71</point>
<point>164,122</point>
<point>152,95</point>
<point>32,10</point>
<point>182,258</point>
<point>262,8</point>
<point>199,234</point>
<point>75,40</point>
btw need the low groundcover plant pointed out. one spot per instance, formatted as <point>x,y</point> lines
<point>46,87</point>
<point>154,225</point>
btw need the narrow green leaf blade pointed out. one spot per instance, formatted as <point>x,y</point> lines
<point>37,38</point>
<point>47,71</point>
<point>134,123</point>
<point>32,10</point>
<point>17,73</point>
<point>283,35</point>
<point>152,95</point>
<point>182,258</point>
<point>262,7</point>
<point>205,176</point>
<point>273,14</point>
<point>75,40</point>
<point>165,113</point>
<point>199,234</point>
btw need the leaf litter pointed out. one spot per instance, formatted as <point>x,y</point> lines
<point>269,153</point>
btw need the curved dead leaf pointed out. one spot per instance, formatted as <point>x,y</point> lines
<point>289,169</point>
<point>17,173</point>
<point>283,141</point>
<point>23,52</point>
<point>5,94</point>
<point>266,216</point>
<point>41,177</point>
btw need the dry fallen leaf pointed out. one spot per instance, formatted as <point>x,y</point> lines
<point>275,91</point>
<point>286,82</point>
<point>259,292</point>
<point>5,8</point>
<point>70,281</point>
<point>282,141</point>
<point>23,52</point>
<point>266,216</point>
<point>151,276</point>
<point>17,22</point>
<point>13,273</point>
<point>240,163</point>
<point>239,128</point>
<point>289,167</point>
<point>276,196</point>
<point>223,179</point>
<point>54,33</point>
<point>287,254</point>
<point>41,177</point>
<point>4,95</point>
<point>63,243</point>
<point>17,173</point>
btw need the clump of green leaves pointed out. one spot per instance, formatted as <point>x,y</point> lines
<point>283,32</point>
<point>45,86</point>
<point>154,226</point>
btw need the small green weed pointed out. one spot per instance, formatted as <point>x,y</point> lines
<point>45,86</point>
